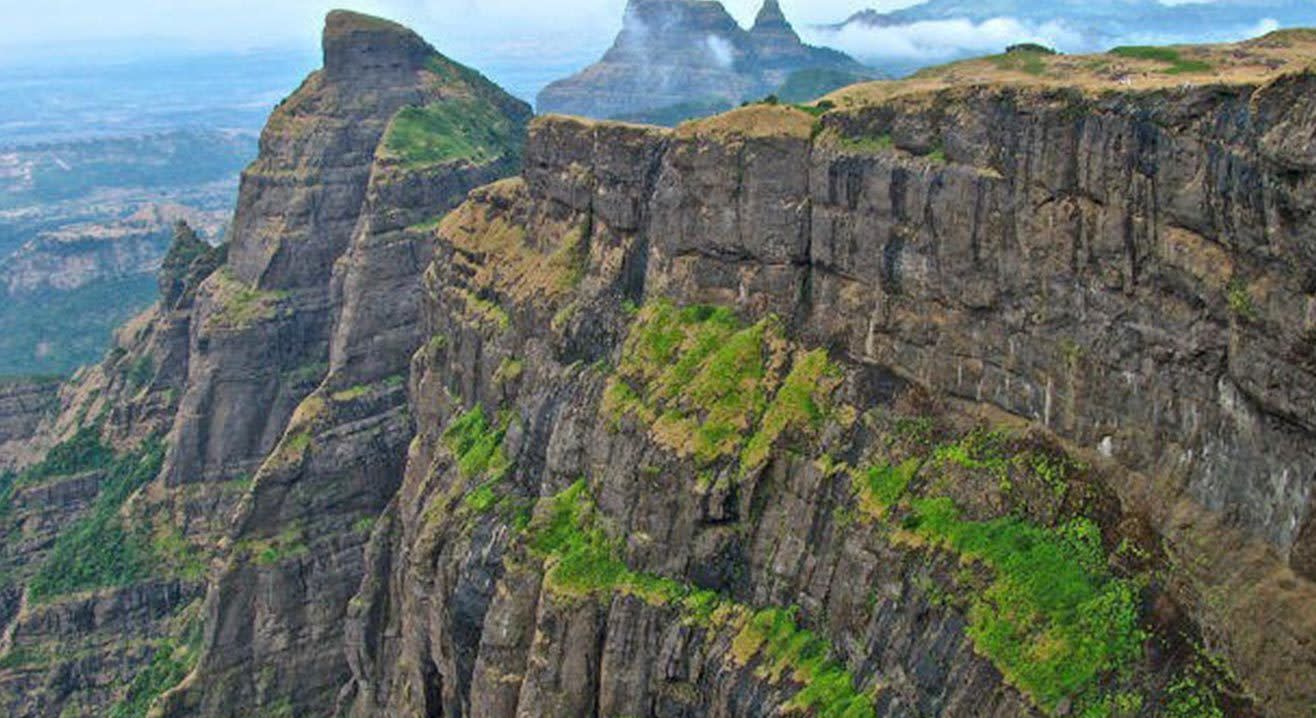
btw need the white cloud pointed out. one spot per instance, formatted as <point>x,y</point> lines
<point>941,39</point>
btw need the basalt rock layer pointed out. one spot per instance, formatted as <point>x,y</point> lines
<point>1124,273</point>
<point>276,361</point>
<point>951,398</point>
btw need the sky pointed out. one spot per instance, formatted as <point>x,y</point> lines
<point>522,43</point>
<point>208,25</point>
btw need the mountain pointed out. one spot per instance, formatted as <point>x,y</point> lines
<point>691,57</point>
<point>84,225</point>
<point>981,394</point>
<point>936,31</point>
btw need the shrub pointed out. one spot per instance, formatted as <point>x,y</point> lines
<point>100,551</point>
<point>80,453</point>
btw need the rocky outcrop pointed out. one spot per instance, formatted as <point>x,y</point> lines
<point>24,404</point>
<point>321,425</point>
<point>1118,272</point>
<point>275,365</point>
<point>689,53</point>
<point>952,400</point>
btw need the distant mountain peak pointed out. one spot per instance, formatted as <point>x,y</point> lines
<point>771,18</point>
<point>691,53</point>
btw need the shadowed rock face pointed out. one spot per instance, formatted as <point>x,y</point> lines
<point>306,390</point>
<point>304,326</point>
<point>673,52</point>
<point>456,459</point>
<point>1067,263</point>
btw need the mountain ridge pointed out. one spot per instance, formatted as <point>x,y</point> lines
<point>690,52</point>
<point>982,393</point>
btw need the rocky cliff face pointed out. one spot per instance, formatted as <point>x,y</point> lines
<point>610,513</point>
<point>691,54</point>
<point>960,398</point>
<point>283,355</point>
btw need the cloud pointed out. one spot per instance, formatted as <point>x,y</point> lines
<point>723,52</point>
<point>934,40</point>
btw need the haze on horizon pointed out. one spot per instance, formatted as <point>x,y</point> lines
<point>80,30</point>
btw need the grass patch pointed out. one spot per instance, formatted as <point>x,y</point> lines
<point>788,651</point>
<point>1177,65</point>
<point>1054,620</point>
<point>170,664</point>
<point>100,550</point>
<point>866,144</point>
<point>456,130</point>
<point>1239,297</point>
<point>289,544</point>
<point>800,403</point>
<point>582,561</point>
<point>238,305</point>
<point>508,371</point>
<point>713,388</point>
<point>1027,61</point>
<point>477,445</point>
<point>881,488</point>
<point>351,393</point>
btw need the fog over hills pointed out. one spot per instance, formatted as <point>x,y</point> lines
<point>936,31</point>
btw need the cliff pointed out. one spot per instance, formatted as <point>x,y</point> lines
<point>978,394</point>
<point>685,58</point>
<point>168,454</point>
<point>815,416</point>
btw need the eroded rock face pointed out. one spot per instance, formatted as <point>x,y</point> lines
<point>309,394</point>
<point>688,52</point>
<point>277,367</point>
<point>1123,273</point>
<point>23,406</point>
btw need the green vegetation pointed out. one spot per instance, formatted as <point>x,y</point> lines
<point>1193,694</point>
<point>23,657</point>
<point>509,370</point>
<point>704,381</point>
<point>477,445</point>
<point>7,481</point>
<point>866,144</point>
<point>456,130</point>
<point>1030,48</point>
<point>290,543</point>
<point>141,371</point>
<point>1167,55</point>
<point>882,487</point>
<point>1239,296</point>
<point>54,331</point>
<point>583,562</point>
<point>789,651</point>
<point>811,83</point>
<point>351,393</point>
<point>1052,618</point>
<point>801,403</point>
<point>100,551</point>
<point>485,311</point>
<point>239,305</point>
<point>1029,62</point>
<point>170,664</point>
<point>78,454</point>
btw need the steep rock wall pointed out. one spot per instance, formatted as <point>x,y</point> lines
<point>1124,272</point>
